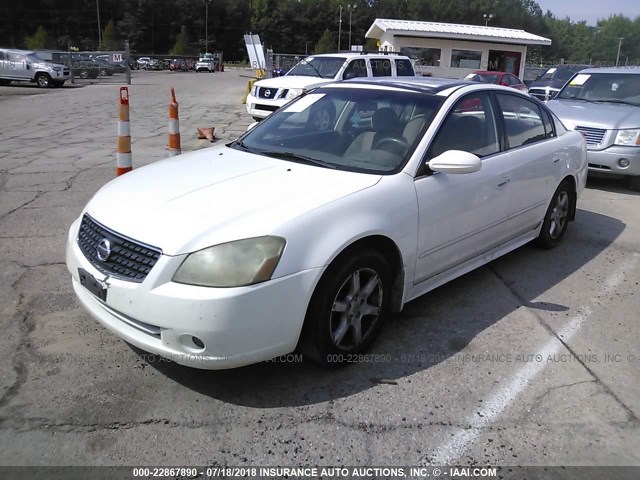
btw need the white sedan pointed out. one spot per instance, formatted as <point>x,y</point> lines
<point>298,236</point>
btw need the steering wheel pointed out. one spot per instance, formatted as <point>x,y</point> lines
<point>398,141</point>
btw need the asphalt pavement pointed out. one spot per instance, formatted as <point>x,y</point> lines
<point>531,360</point>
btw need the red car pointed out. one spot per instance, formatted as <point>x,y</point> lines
<point>499,78</point>
<point>178,65</point>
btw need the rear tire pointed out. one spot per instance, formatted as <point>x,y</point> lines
<point>43,80</point>
<point>347,309</point>
<point>557,217</point>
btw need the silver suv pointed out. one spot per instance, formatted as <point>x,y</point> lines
<point>26,66</point>
<point>602,104</point>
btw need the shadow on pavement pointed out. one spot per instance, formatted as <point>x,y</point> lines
<point>435,327</point>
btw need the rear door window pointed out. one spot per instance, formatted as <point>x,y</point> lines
<point>381,67</point>
<point>523,120</point>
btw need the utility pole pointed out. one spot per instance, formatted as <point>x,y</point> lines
<point>99,27</point>
<point>619,45</point>
<point>206,25</point>
<point>351,9</point>
<point>340,28</point>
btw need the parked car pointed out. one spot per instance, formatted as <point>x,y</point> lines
<point>205,64</point>
<point>270,94</point>
<point>306,235</point>
<point>547,85</point>
<point>178,64</point>
<point>602,104</point>
<point>142,62</point>
<point>26,66</point>
<point>154,64</point>
<point>81,67</point>
<point>497,78</point>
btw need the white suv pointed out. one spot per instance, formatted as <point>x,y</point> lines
<point>270,94</point>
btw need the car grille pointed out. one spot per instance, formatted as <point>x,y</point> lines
<point>542,93</point>
<point>593,136</point>
<point>129,260</point>
<point>266,92</point>
<point>268,108</point>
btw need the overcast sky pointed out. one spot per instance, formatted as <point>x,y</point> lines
<point>591,10</point>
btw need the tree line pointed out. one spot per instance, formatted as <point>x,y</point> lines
<point>166,27</point>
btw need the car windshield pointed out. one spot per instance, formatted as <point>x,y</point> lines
<point>603,87</point>
<point>483,77</point>
<point>345,128</point>
<point>561,74</point>
<point>323,67</point>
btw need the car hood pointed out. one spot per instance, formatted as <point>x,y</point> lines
<point>557,84</point>
<point>609,116</point>
<point>216,195</point>
<point>292,81</point>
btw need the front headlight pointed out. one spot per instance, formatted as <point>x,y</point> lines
<point>294,93</point>
<point>233,264</point>
<point>57,69</point>
<point>628,137</point>
<point>254,90</point>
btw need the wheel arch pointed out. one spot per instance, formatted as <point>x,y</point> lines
<point>570,179</point>
<point>390,251</point>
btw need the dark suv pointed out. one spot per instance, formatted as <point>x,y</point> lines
<point>547,85</point>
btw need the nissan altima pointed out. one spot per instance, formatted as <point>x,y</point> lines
<point>306,235</point>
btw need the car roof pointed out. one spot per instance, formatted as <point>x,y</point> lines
<point>490,72</point>
<point>17,50</point>
<point>357,54</point>
<point>421,84</point>
<point>634,70</point>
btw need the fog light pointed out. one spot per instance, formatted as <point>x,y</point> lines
<point>191,343</point>
<point>623,162</point>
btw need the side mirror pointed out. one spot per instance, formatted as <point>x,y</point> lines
<point>455,161</point>
<point>349,75</point>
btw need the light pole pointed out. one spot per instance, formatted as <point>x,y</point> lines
<point>340,28</point>
<point>99,27</point>
<point>619,45</point>
<point>351,9</point>
<point>487,18</point>
<point>206,25</point>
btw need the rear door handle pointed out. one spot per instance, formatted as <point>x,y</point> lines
<point>556,160</point>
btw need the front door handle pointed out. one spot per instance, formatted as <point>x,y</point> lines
<point>504,182</point>
<point>556,160</point>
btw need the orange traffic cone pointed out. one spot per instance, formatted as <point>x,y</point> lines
<point>174,125</point>
<point>207,133</point>
<point>123,155</point>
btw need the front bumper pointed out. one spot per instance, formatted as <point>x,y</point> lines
<point>263,107</point>
<point>606,161</point>
<point>238,326</point>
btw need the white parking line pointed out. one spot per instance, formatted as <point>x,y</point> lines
<point>505,394</point>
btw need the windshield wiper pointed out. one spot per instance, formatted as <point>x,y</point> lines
<point>582,99</point>
<point>299,158</point>
<point>615,100</point>
<point>312,66</point>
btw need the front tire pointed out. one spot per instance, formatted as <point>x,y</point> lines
<point>634,183</point>
<point>347,309</point>
<point>43,80</point>
<point>557,217</point>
